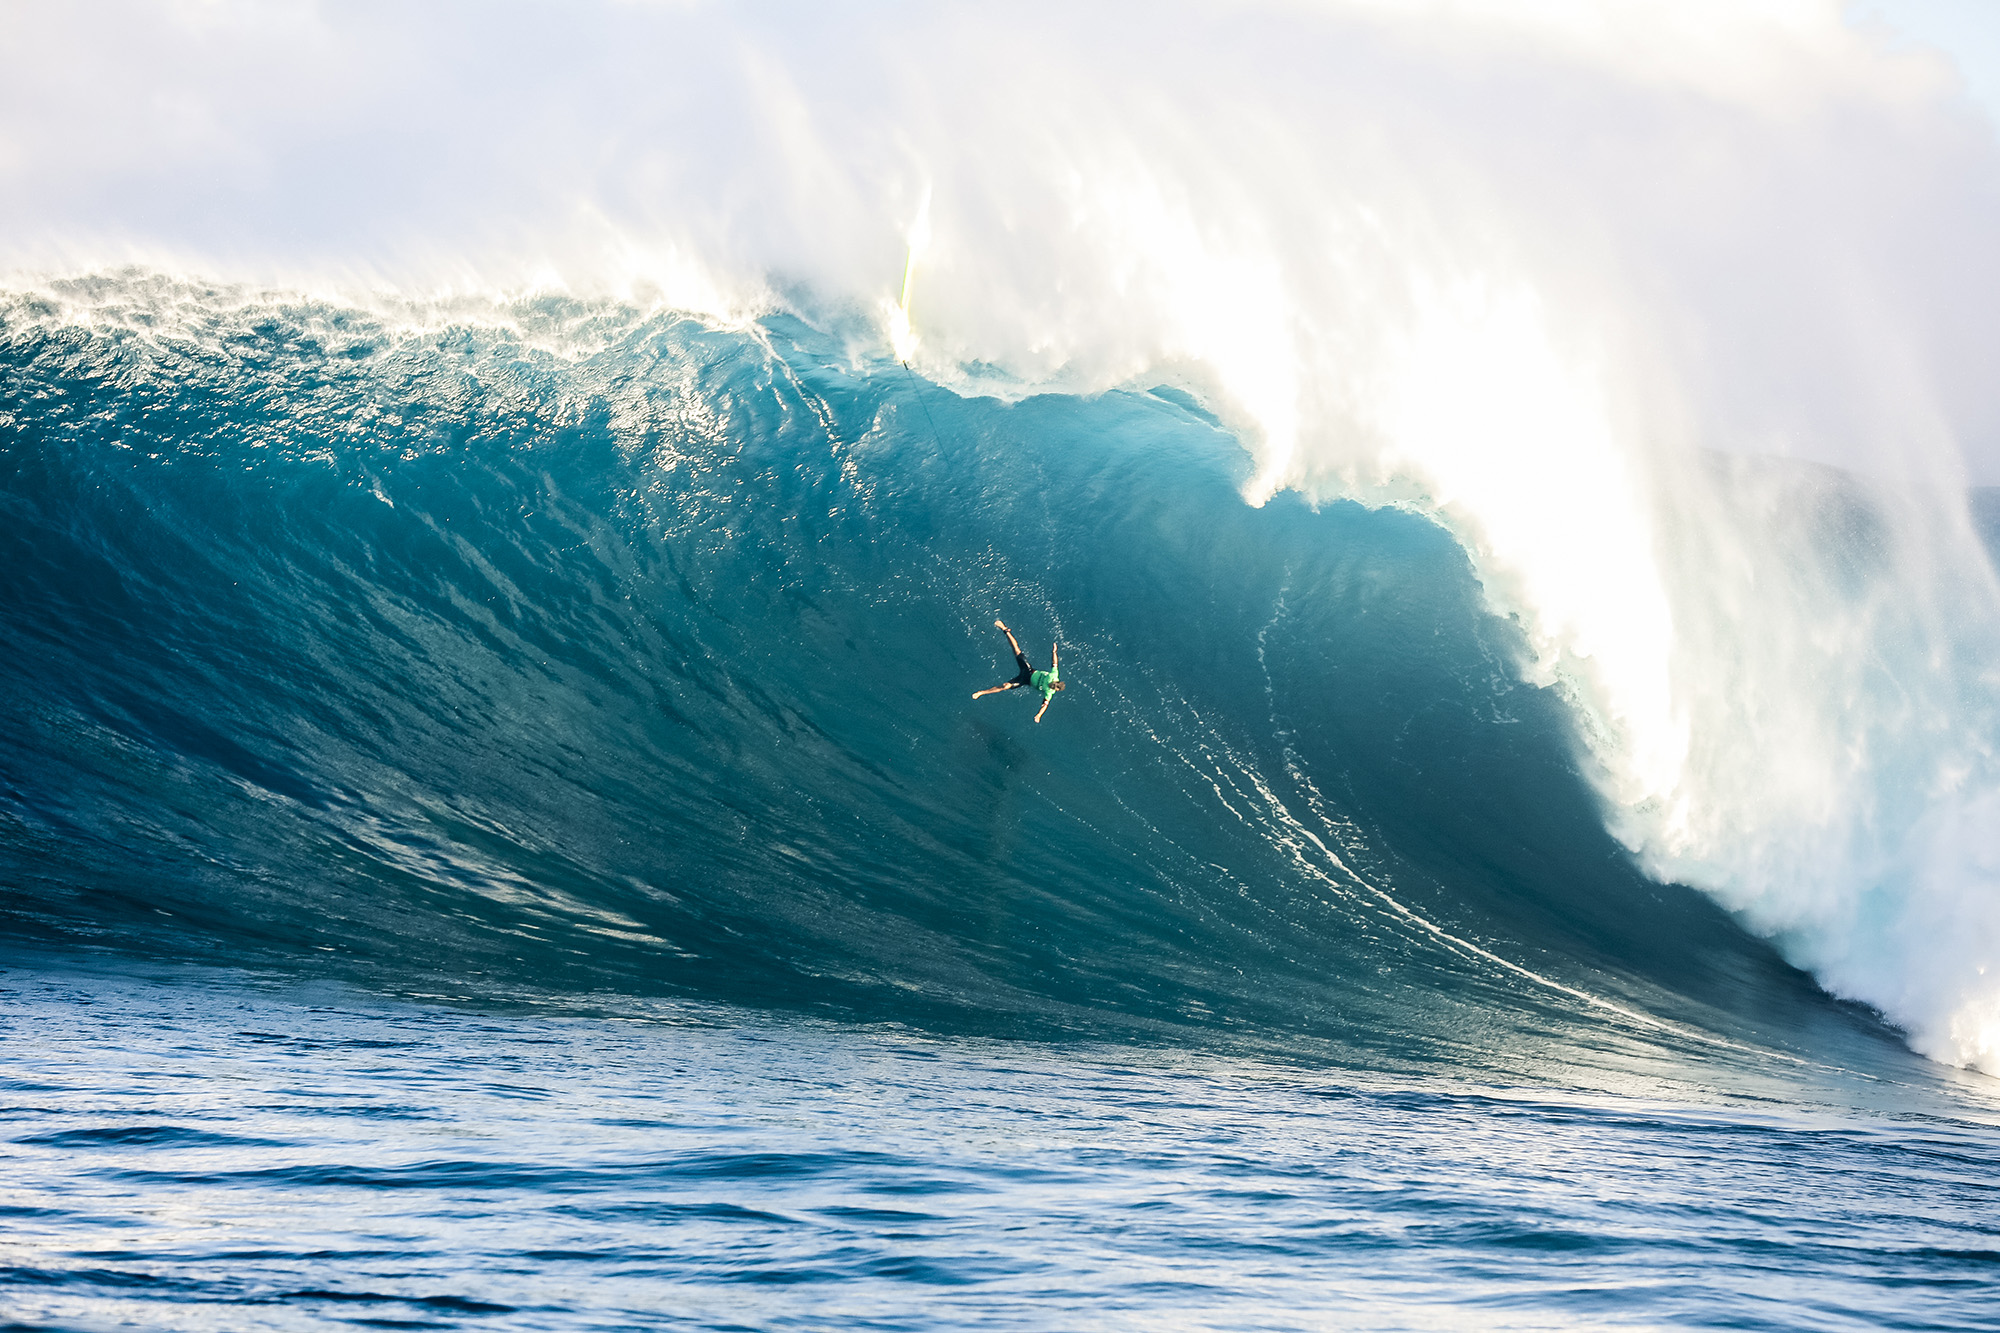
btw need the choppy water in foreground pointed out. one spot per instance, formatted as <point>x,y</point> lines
<point>232,1152</point>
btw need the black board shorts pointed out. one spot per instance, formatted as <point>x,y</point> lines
<point>1027,676</point>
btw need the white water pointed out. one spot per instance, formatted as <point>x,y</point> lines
<point>1567,276</point>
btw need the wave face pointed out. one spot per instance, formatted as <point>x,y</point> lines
<point>1671,318</point>
<point>647,665</point>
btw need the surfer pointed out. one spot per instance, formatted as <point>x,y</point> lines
<point>1047,682</point>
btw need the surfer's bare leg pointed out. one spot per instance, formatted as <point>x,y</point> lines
<point>1010,685</point>
<point>1001,625</point>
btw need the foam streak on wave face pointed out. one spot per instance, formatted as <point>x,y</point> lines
<point>1556,273</point>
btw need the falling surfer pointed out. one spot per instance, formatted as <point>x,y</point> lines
<point>1046,682</point>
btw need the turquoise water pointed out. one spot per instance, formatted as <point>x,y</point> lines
<point>495,832</point>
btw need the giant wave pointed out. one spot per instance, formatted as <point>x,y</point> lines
<point>401,611</point>
<point>586,650</point>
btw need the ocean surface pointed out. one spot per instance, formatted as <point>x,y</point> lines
<point>495,832</point>
<point>233,1152</point>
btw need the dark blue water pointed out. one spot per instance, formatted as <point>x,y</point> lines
<point>597,686</point>
<point>191,1157</point>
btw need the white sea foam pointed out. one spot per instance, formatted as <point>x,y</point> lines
<point>1566,276</point>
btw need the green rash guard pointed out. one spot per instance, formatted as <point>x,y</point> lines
<point>1045,681</point>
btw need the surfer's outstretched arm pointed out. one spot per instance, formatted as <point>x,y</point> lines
<point>1055,669</point>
